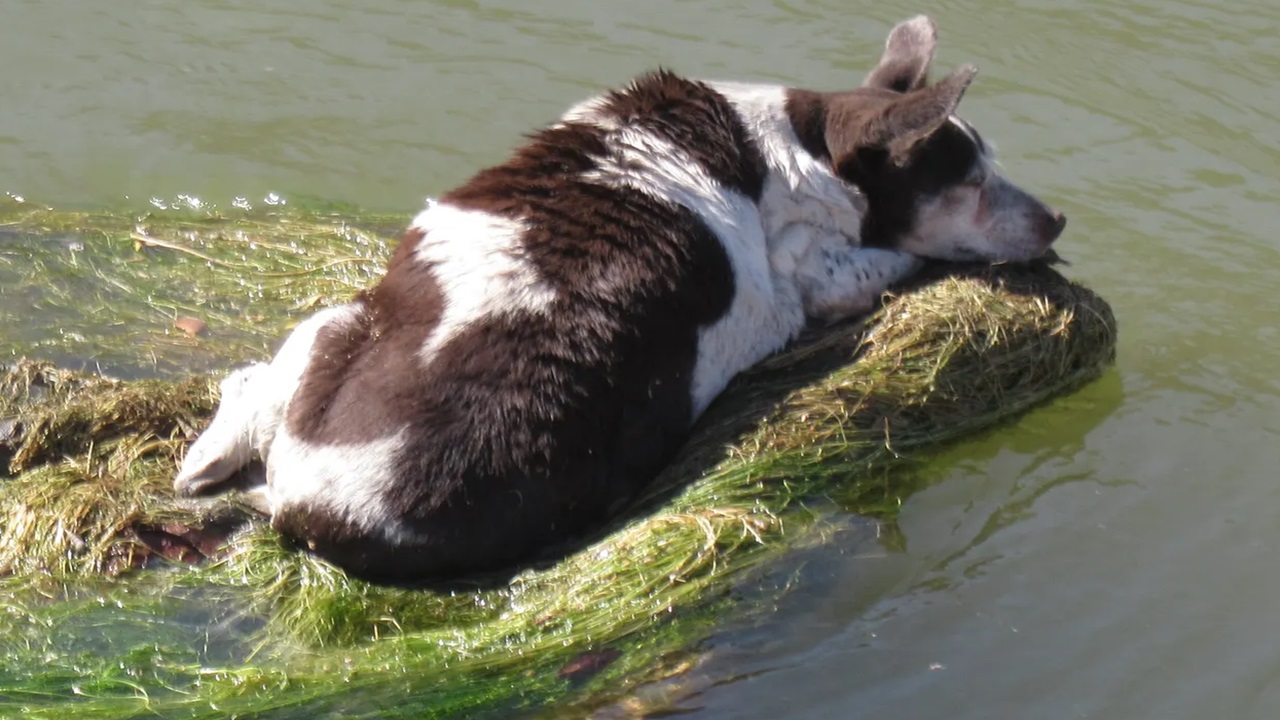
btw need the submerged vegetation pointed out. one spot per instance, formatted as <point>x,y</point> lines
<point>114,287</point>
<point>117,600</point>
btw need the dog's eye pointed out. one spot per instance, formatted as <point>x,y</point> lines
<point>975,180</point>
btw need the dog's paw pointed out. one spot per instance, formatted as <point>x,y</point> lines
<point>205,468</point>
<point>226,445</point>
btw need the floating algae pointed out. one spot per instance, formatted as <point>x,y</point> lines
<point>256,627</point>
<point>110,288</point>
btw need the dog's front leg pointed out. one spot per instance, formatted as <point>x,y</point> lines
<point>850,281</point>
<point>837,280</point>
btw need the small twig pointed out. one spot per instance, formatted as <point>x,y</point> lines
<point>318,268</point>
<point>139,236</point>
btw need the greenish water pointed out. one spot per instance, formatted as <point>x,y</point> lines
<point>1108,556</point>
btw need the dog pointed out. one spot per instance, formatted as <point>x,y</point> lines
<point>547,333</point>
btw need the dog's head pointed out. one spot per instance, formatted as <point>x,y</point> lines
<point>929,179</point>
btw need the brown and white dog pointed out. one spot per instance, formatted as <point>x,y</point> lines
<point>547,333</point>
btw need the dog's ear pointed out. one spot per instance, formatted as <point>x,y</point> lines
<point>910,120</point>
<point>908,52</point>
<point>894,129</point>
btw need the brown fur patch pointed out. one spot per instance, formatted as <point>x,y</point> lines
<point>698,120</point>
<point>360,383</point>
<point>807,111</point>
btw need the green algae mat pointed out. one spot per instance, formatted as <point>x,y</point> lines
<point>118,600</point>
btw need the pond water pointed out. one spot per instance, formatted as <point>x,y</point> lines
<point>1108,556</point>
